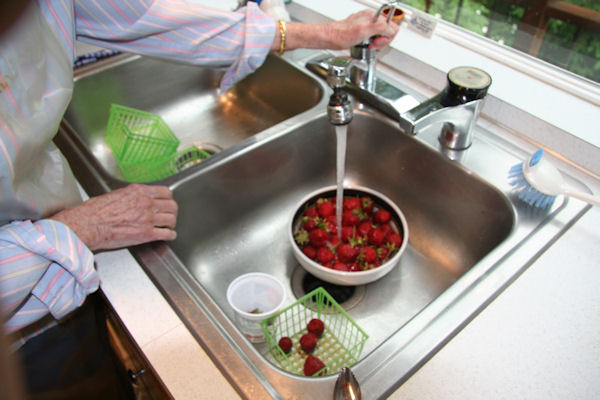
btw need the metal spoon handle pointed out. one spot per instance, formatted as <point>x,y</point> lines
<point>346,386</point>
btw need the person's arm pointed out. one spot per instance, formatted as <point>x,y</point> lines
<point>44,269</point>
<point>337,35</point>
<point>183,31</point>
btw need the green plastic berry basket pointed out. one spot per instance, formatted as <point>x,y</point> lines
<point>339,346</point>
<point>145,147</point>
<point>142,143</point>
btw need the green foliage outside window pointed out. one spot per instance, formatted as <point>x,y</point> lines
<point>564,45</point>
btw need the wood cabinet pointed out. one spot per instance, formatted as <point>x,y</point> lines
<point>145,382</point>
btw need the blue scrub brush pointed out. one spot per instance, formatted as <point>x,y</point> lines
<point>538,183</point>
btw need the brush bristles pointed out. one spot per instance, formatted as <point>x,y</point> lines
<point>526,192</point>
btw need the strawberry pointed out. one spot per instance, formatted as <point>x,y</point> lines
<point>354,267</point>
<point>387,229</point>
<point>311,212</point>
<point>351,203</point>
<point>310,252</point>
<point>382,216</point>
<point>312,365</point>
<point>383,252</point>
<point>318,237</point>
<point>324,255</point>
<point>334,240</point>
<point>309,223</point>
<point>308,342</point>
<point>350,218</point>
<point>331,224</point>
<point>332,219</point>
<point>367,204</point>
<point>364,228</point>
<point>325,208</point>
<point>340,266</point>
<point>346,252</point>
<point>394,240</point>
<point>347,233</point>
<point>376,237</point>
<point>368,254</point>
<point>316,326</point>
<point>285,344</point>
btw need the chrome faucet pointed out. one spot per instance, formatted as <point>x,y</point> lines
<point>457,107</point>
<point>339,108</point>
<point>364,78</point>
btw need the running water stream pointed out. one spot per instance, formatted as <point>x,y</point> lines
<point>340,133</point>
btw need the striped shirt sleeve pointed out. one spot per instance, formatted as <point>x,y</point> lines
<point>44,269</point>
<point>180,30</point>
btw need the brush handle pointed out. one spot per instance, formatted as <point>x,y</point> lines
<point>584,196</point>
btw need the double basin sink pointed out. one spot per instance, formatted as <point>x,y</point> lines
<point>273,144</point>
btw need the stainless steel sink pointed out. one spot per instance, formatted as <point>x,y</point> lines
<point>188,99</point>
<point>233,217</point>
<point>469,238</point>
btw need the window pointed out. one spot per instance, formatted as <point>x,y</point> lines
<point>562,33</point>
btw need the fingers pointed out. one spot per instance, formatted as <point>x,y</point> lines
<point>164,220</point>
<point>164,234</point>
<point>155,192</point>
<point>380,29</point>
<point>380,42</point>
<point>385,28</point>
<point>161,206</point>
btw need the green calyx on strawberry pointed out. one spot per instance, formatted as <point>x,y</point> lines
<point>302,237</point>
<point>367,203</point>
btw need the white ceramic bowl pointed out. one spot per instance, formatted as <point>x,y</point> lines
<point>348,278</point>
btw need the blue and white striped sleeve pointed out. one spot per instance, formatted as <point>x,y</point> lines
<point>44,269</point>
<point>235,41</point>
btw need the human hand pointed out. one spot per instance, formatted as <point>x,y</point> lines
<point>359,27</point>
<point>125,217</point>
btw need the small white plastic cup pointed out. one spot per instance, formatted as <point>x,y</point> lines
<point>254,297</point>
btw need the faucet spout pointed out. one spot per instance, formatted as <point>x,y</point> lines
<point>339,108</point>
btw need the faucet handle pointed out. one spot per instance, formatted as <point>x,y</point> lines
<point>465,84</point>
<point>338,70</point>
<point>391,11</point>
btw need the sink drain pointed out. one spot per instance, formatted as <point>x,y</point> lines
<point>347,296</point>
<point>195,154</point>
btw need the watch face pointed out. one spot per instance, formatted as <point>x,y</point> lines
<point>470,77</point>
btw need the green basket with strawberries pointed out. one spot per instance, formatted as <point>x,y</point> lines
<point>314,336</point>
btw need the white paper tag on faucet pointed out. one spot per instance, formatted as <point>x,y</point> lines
<point>422,24</point>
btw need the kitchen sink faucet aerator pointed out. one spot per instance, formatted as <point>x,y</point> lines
<point>457,107</point>
<point>339,108</point>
